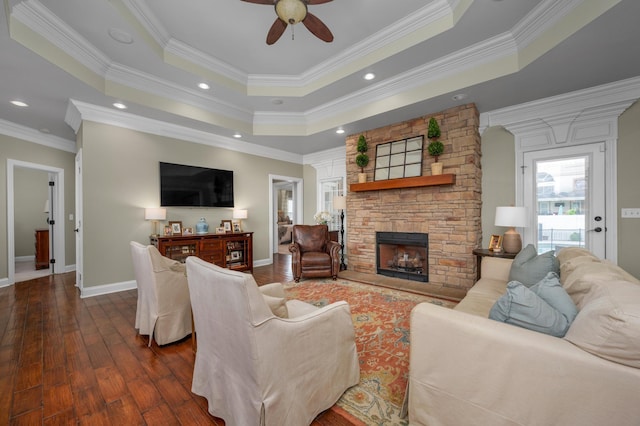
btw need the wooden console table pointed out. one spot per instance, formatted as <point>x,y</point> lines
<point>480,253</point>
<point>231,250</point>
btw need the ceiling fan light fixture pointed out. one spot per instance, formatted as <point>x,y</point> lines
<point>291,11</point>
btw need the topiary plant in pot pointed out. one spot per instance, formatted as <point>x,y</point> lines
<point>362,159</point>
<point>435,147</point>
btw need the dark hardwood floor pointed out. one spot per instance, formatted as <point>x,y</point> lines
<point>66,360</point>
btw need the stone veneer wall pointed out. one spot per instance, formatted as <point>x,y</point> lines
<point>450,214</point>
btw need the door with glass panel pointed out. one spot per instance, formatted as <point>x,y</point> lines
<point>564,188</point>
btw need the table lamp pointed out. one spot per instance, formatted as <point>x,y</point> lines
<point>511,217</point>
<point>240,214</point>
<point>155,214</point>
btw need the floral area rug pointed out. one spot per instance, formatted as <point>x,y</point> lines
<point>381,319</point>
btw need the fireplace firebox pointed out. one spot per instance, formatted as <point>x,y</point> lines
<point>403,255</point>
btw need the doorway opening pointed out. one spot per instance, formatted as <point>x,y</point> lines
<point>285,210</point>
<point>56,241</point>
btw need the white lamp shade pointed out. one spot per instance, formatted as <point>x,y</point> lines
<point>240,214</point>
<point>340,202</point>
<point>155,213</point>
<point>511,216</point>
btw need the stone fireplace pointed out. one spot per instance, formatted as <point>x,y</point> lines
<point>448,212</point>
<point>403,255</point>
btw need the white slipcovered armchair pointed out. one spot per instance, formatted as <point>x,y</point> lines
<point>164,307</point>
<point>256,368</point>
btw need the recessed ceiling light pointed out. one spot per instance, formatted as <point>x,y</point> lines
<point>369,76</point>
<point>120,35</point>
<point>19,103</point>
<point>237,135</point>
<point>340,131</point>
<point>459,97</point>
<point>203,86</point>
<point>119,105</point>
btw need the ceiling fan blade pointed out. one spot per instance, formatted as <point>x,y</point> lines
<point>317,28</point>
<point>276,30</point>
<point>312,2</point>
<point>271,2</point>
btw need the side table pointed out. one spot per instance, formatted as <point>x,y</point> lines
<point>480,253</point>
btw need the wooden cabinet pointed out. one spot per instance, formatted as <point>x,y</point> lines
<point>232,250</point>
<point>42,248</point>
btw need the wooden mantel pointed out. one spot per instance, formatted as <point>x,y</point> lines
<point>411,182</point>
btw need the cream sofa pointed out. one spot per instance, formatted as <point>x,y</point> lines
<point>467,369</point>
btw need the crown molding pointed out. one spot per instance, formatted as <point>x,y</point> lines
<point>544,16</point>
<point>390,40</point>
<point>500,55</point>
<point>614,98</point>
<point>35,16</point>
<point>28,134</point>
<point>149,83</point>
<point>88,112</point>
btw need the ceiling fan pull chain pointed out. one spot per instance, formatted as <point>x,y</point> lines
<point>292,32</point>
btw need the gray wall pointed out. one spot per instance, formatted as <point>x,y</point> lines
<point>498,182</point>
<point>498,164</point>
<point>121,178</point>
<point>310,188</point>
<point>18,149</point>
<point>31,190</point>
<point>629,188</point>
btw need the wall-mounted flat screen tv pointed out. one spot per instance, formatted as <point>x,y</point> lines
<point>192,186</point>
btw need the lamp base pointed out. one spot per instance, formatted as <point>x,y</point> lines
<point>511,242</point>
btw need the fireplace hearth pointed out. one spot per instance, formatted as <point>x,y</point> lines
<point>403,255</point>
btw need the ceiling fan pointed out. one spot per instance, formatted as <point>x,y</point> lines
<point>290,12</point>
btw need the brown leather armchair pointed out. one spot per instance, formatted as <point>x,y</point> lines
<point>312,253</point>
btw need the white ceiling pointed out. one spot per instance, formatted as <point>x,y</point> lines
<point>293,95</point>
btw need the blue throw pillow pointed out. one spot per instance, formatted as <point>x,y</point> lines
<point>551,291</point>
<point>522,307</point>
<point>529,267</point>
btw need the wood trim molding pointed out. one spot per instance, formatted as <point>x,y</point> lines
<point>412,182</point>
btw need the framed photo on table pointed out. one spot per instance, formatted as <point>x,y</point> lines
<point>495,243</point>
<point>236,226</point>
<point>227,225</point>
<point>176,227</point>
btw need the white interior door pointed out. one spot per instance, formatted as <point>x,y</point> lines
<point>565,189</point>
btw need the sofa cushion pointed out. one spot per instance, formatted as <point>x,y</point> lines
<point>568,253</point>
<point>568,267</point>
<point>609,325</point>
<point>551,291</point>
<point>278,305</point>
<point>529,267</point>
<point>522,307</point>
<point>591,281</point>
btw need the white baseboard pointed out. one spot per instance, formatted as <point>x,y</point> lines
<point>108,289</point>
<point>262,262</point>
